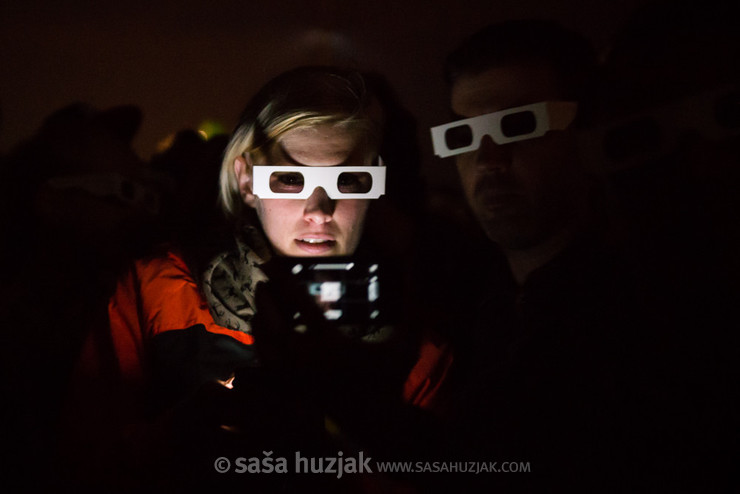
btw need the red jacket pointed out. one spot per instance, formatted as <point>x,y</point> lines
<point>159,296</point>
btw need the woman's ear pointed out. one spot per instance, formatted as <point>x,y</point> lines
<point>243,171</point>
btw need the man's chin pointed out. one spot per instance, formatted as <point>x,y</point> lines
<point>510,232</point>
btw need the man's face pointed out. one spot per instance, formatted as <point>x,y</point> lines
<point>317,226</point>
<point>522,192</point>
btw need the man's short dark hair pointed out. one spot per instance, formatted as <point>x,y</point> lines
<point>569,54</point>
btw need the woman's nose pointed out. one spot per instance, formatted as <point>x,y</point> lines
<point>319,207</point>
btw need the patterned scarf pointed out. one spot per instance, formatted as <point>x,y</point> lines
<point>231,278</point>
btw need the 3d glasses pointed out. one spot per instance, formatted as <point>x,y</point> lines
<point>299,182</point>
<point>634,140</point>
<point>505,126</point>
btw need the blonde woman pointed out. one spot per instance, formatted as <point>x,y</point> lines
<point>298,176</point>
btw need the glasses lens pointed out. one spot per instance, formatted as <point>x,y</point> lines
<point>286,182</point>
<point>727,111</point>
<point>458,137</point>
<point>354,182</point>
<point>640,136</point>
<point>518,124</point>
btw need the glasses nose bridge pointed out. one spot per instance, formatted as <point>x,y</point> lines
<point>318,185</point>
<point>489,127</point>
<point>490,153</point>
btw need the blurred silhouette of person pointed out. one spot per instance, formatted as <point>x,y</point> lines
<point>541,340</point>
<point>81,176</point>
<point>189,213</point>
<point>76,204</point>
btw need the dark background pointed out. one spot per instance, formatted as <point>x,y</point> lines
<point>185,62</point>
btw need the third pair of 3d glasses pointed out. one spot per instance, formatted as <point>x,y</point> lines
<point>299,182</point>
<point>505,126</point>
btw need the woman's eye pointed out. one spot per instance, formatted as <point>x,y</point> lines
<point>347,180</point>
<point>286,182</point>
<point>291,179</point>
<point>354,182</point>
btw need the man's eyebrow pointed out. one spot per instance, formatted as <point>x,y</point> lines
<point>454,116</point>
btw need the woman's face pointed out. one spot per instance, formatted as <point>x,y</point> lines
<point>318,225</point>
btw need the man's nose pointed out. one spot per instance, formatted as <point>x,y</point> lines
<point>319,207</point>
<point>492,155</point>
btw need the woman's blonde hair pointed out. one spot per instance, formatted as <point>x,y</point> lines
<point>303,97</point>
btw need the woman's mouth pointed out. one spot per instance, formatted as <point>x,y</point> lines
<point>315,245</point>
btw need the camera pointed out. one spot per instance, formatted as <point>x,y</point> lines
<point>347,292</point>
